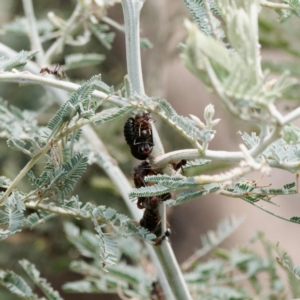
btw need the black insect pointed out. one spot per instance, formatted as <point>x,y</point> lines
<point>156,292</point>
<point>129,132</point>
<point>151,219</point>
<point>3,189</point>
<point>138,135</point>
<point>142,170</point>
<point>179,165</point>
<point>56,72</point>
<point>142,125</point>
<point>142,149</point>
<point>161,239</point>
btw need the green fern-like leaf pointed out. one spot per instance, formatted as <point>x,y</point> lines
<point>107,245</point>
<point>19,145</point>
<point>102,34</point>
<point>155,190</point>
<point>35,219</point>
<point>42,283</point>
<point>162,177</point>
<point>186,196</point>
<point>199,14</point>
<point>72,172</point>
<point>113,113</point>
<point>71,107</point>
<point>12,216</point>
<point>79,60</point>
<point>85,242</point>
<point>212,239</point>
<point>250,141</point>
<point>140,231</point>
<point>17,123</point>
<point>20,26</point>
<point>38,182</point>
<point>295,220</point>
<point>285,261</point>
<point>196,163</point>
<point>17,62</point>
<point>166,107</point>
<point>183,123</point>
<point>17,285</point>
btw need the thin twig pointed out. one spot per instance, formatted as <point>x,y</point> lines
<point>112,23</point>
<point>57,210</point>
<point>58,45</point>
<point>33,31</point>
<point>24,78</point>
<point>273,5</point>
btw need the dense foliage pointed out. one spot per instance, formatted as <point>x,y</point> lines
<point>114,249</point>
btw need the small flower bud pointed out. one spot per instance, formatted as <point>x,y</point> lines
<point>197,121</point>
<point>209,113</point>
<point>215,122</point>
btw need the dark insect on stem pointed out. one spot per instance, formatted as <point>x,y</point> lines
<point>156,292</point>
<point>138,135</point>
<point>141,151</point>
<point>179,165</point>
<point>3,189</point>
<point>56,72</point>
<point>142,170</point>
<point>142,125</point>
<point>161,239</point>
<point>151,219</point>
<point>129,132</point>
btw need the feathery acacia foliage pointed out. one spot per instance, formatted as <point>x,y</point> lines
<point>12,216</point>
<point>222,50</point>
<point>18,62</point>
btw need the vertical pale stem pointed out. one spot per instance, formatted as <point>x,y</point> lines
<point>132,9</point>
<point>34,34</point>
<point>169,265</point>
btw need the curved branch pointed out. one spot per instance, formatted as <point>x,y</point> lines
<point>273,5</point>
<point>28,78</point>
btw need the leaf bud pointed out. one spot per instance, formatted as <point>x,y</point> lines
<point>209,113</point>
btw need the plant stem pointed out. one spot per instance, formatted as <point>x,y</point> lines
<point>112,23</point>
<point>54,209</point>
<point>58,45</point>
<point>131,10</point>
<point>27,78</point>
<point>34,35</point>
<point>24,171</point>
<point>275,5</point>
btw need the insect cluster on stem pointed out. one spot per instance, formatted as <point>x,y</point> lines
<point>151,218</point>
<point>138,135</point>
